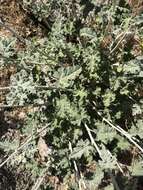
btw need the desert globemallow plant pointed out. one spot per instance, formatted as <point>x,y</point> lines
<point>83,81</point>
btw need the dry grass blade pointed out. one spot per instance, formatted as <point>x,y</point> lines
<point>93,141</point>
<point>8,88</point>
<point>16,151</point>
<point>98,150</point>
<point>122,131</point>
<point>22,146</point>
<point>118,44</point>
<point>118,165</point>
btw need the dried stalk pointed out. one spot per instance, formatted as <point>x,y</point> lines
<point>23,145</point>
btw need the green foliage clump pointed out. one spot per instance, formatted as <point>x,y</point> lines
<point>84,79</point>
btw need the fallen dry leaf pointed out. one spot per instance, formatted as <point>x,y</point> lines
<point>42,148</point>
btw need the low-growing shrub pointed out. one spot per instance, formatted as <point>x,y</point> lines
<point>84,82</point>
